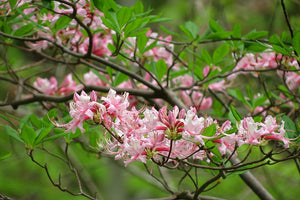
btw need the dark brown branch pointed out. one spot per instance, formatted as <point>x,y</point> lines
<point>88,88</point>
<point>58,185</point>
<point>287,18</point>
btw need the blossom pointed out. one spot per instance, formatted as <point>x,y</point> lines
<point>49,87</point>
<point>92,79</point>
<point>46,86</point>
<point>82,108</point>
<point>100,43</point>
<point>139,135</point>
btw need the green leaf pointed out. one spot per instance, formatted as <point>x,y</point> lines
<point>152,67</point>
<point>296,42</point>
<point>38,123</point>
<point>235,113</point>
<point>289,127</point>
<point>256,35</point>
<point>220,53</point>
<point>110,24</point>
<point>6,119</point>
<point>141,42</point>
<point>134,26</point>
<point>101,76</point>
<point>237,31</point>
<point>12,3</point>
<point>236,93</point>
<point>5,156</point>
<point>48,4</point>
<point>259,100</point>
<point>218,35</point>
<point>42,134</point>
<point>24,31</point>
<point>55,137</point>
<point>110,5</point>
<point>210,131</point>
<point>138,7</point>
<point>192,28</point>
<point>161,68</point>
<point>151,46</point>
<point>279,49</point>
<point>256,47</point>
<point>168,31</point>
<point>13,133</point>
<point>206,57</point>
<point>160,19</point>
<point>62,22</point>
<point>123,16</point>
<point>214,26</point>
<point>70,136</point>
<point>28,134</point>
<point>110,72</point>
<point>119,78</point>
<point>93,139</point>
<point>98,4</point>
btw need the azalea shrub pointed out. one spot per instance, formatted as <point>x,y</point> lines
<point>103,79</point>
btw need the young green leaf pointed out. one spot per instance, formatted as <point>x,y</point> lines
<point>101,76</point>
<point>220,53</point>
<point>290,127</point>
<point>161,68</point>
<point>119,78</point>
<point>235,113</point>
<point>138,7</point>
<point>296,42</point>
<point>237,31</point>
<point>210,131</point>
<point>53,137</point>
<point>24,30</point>
<point>38,123</point>
<point>5,156</point>
<point>13,133</point>
<point>141,42</point>
<point>214,26</point>
<point>42,134</point>
<point>206,57</point>
<point>190,29</point>
<point>168,31</point>
<point>62,22</point>
<point>123,16</point>
<point>12,3</point>
<point>256,35</point>
<point>28,134</point>
<point>6,119</point>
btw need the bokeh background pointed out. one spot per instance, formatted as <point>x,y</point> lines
<point>22,179</point>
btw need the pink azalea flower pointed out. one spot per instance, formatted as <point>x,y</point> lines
<point>82,108</point>
<point>99,45</point>
<point>92,79</point>
<point>68,86</point>
<point>48,87</point>
<point>115,104</point>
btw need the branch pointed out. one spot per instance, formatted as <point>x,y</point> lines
<point>253,183</point>
<point>88,88</point>
<point>287,18</point>
<point>2,197</point>
<point>188,196</point>
<point>58,185</point>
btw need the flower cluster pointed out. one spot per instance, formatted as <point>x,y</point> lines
<point>49,87</point>
<point>159,51</point>
<point>172,134</point>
